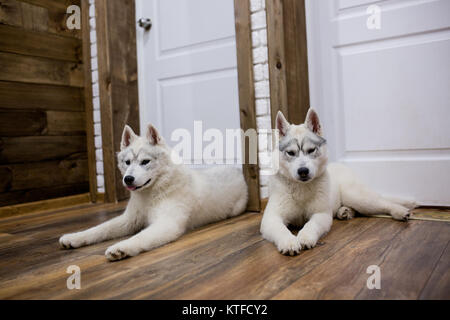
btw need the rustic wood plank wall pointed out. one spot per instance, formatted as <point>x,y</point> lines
<point>288,59</point>
<point>246,96</point>
<point>43,143</point>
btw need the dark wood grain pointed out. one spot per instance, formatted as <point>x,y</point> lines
<point>417,250</point>
<point>22,123</point>
<point>65,123</point>
<point>30,195</point>
<point>225,260</point>
<point>288,59</point>
<point>39,15</point>
<point>16,95</point>
<point>45,174</point>
<point>391,246</point>
<point>31,123</point>
<point>117,67</point>
<point>60,203</point>
<point>247,97</point>
<point>40,148</point>
<point>438,284</point>
<point>20,68</point>
<point>39,44</point>
<point>278,271</point>
<point>104,83</point>
<point>277,58</point>
<point>43,123</point>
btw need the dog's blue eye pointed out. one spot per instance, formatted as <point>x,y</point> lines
<point>127,162</point>
<point>144,162</point>
<point>291,153</point>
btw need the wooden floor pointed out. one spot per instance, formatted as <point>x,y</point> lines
<point>228,260</point>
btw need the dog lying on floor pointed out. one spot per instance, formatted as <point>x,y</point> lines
<point>308,192</point>
<point>166,200</point>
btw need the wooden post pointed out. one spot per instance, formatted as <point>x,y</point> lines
<point>117,65</point>
<point>288,59</point>
<point>246,95</point>
<point>86,44</point>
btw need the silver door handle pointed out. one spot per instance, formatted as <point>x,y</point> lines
<point>145,23</point>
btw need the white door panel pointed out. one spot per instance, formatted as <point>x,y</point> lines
<point>388,88</point>
<point>383,95</point>
<point>188,23</point>
<point>187,66</point>
<point>398,18</point>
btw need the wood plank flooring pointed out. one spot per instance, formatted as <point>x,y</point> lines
<point>226,260</point>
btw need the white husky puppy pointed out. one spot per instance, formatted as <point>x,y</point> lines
<point>167,199</point>
<point>306,191</point>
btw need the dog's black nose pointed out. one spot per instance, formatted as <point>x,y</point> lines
<point>128,180</point>
<point>303,172</point>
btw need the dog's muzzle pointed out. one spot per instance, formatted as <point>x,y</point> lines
<point>134,188</point>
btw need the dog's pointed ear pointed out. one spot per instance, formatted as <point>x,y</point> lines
<point>312,122</point>
<point>128,136</point>
<point>282,124</point>
<point>153,135</point>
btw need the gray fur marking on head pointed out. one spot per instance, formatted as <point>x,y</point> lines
<point>313,139</point>
<point>284,144</point>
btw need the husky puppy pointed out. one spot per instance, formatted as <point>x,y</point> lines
<point>166,200</point>
<point>306,191</point>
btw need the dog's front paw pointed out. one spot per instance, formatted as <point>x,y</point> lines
<point>400,213</point>
<point>289,246</point>
<point>306,239</point>
<point>120,251</point>
<point>71,241</point>
<point>345,213</point>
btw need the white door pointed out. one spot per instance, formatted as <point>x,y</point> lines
<point>187,67</point>
<point>384,94</point>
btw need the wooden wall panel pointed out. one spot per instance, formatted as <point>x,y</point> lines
<point>16,95</point>
<point>43,114</point>
<point>32,195</point>
<point>39,15</point>
<point>36,122</point>
<point>40,148</point>
<point>246,95</point>
<point>65,123</point>
<point>45,174</point>
<point>288,59</point>
<point>117,65</point>
<point>21,123</point>
<point>21,41</point>
<point>21,68</point>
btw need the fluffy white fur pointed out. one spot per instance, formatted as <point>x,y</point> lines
<point>313,200</point>
<point>166,199</point>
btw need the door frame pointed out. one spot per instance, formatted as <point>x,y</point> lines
<point>288,59</point>
<point>88,104</point>
<point>118,89</point>
<point>247,106</point>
